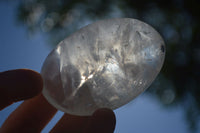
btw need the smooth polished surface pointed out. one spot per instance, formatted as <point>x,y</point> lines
<point>103,65</point>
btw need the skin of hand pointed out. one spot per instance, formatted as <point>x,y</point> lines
<point>35,112</point>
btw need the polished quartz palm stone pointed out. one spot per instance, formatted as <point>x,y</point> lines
<point>103,65</point>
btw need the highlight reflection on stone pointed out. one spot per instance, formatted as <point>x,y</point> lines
<point>105,64</point>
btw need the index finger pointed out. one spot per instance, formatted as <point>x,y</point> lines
<point>19,84</point>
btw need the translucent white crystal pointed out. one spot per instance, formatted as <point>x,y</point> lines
<point>105,64</point>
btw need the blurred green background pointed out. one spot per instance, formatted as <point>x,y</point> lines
<point>178,21</point>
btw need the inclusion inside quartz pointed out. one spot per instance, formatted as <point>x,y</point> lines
<point>103,65</point>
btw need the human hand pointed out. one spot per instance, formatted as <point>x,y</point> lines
<point>35,112</point>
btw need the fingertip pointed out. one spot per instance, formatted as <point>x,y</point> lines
<point>19,84</point>
<point>102,121</point>
<point>33,82</point>
<point>104,112</point>
<point>105,116</point>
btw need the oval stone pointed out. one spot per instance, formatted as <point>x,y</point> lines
<point>103,65</point>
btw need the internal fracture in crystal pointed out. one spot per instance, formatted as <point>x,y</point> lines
<point>103,65</point>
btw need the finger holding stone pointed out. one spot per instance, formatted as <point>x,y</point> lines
<point>71,123</point>
<point>102,121</point>
<point>31,116</point>
<point>20,84</point>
